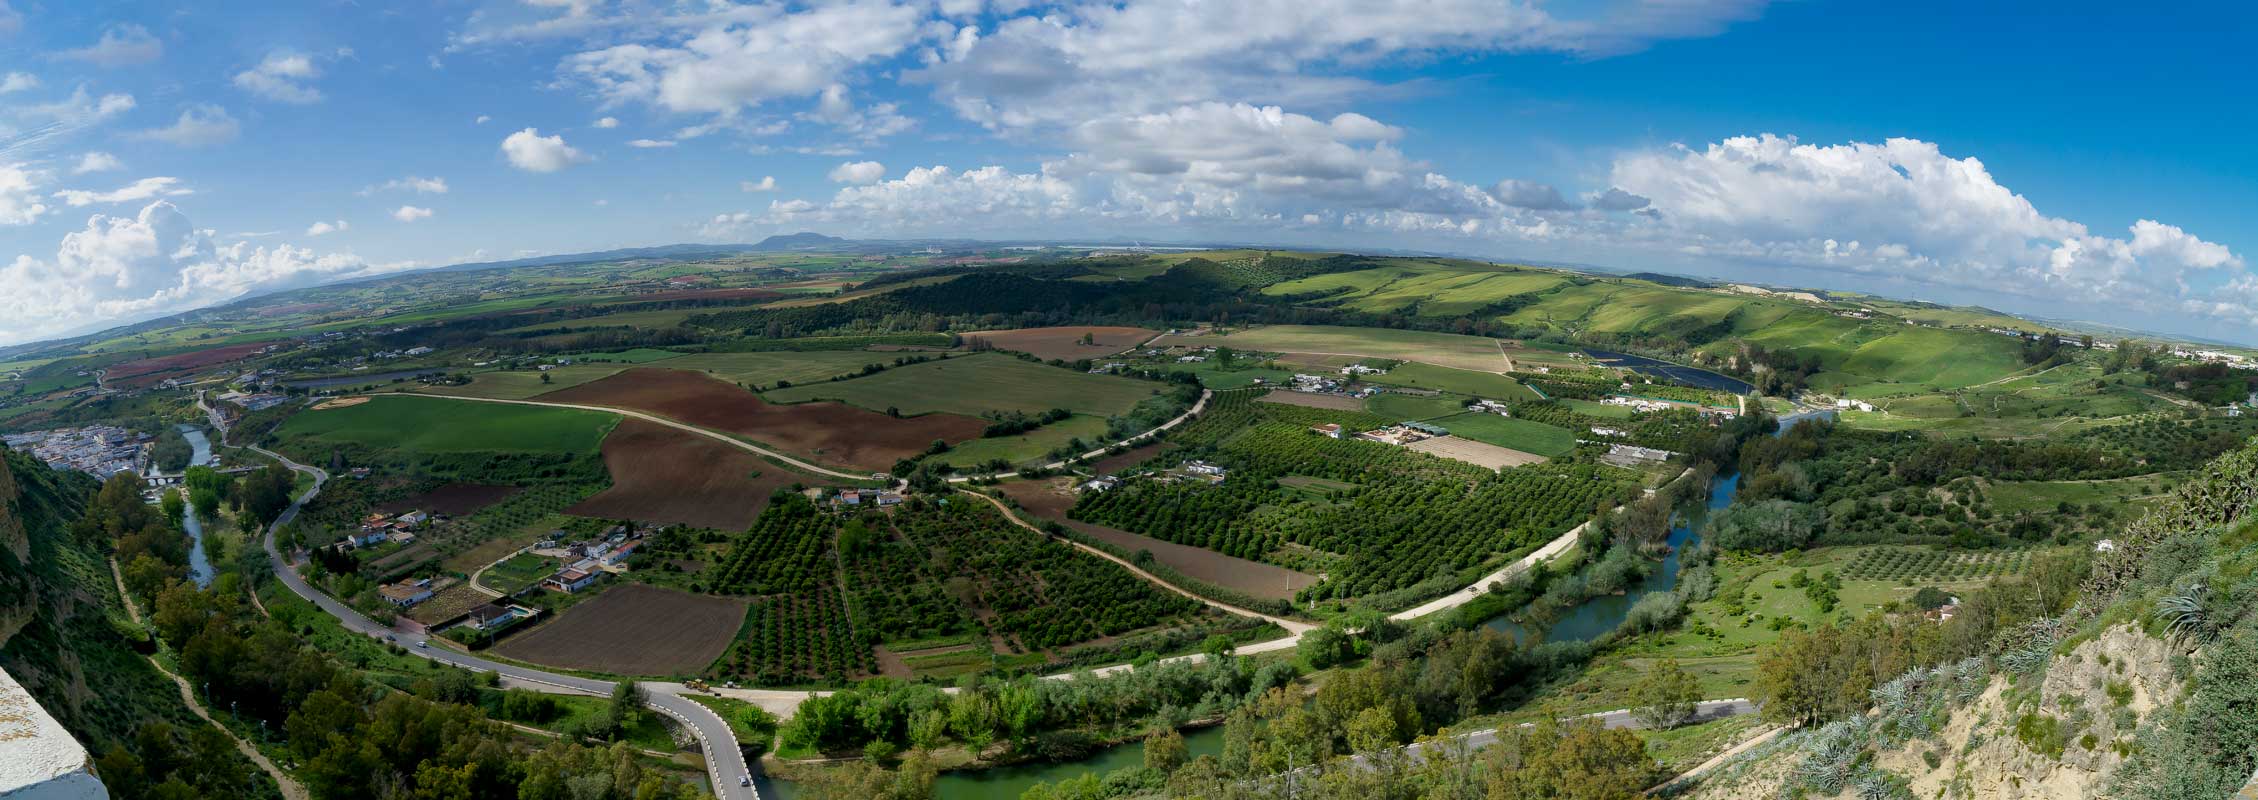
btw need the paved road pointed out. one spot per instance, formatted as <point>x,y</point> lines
<point>725,759</point>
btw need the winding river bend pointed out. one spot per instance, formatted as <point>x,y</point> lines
<point>1595,617</point>
<point>1586,622</point>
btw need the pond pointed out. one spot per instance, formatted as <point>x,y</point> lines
<point>1690,376</point>
<point>199,565</point>
<point>1006,783</point>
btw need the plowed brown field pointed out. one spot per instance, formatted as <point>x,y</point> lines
<point>663,475</point>
<point>634,629</point>
<point>833,432</point>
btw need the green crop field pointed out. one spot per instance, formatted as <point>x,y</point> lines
<point>765,369</point>
<point>1440,349</point>
<point>640,355</point>
<point>1488,385</point>
<point>1520,434</point>
<point>1428,288</point>
<point>974,384</point>
<point>1405,408</point>
<point>525,383</point>
<point>434,425</point>
<point>1028,446</point>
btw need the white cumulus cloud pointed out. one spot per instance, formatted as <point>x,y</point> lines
<point>767,183</point>
<point>858,172</point>
<point>751,55</point>
<point>282,77</point>
<point>650,144</point>
<point>410,213</point>
<point>22,200</point>
<point>120,46</point>
<point>97,161</point>
<point>530,151</point>
<point>119,269</point>
<point>199,126</point>
<point>326,228</point>
<point>608,122</point>
<point>18,82</point>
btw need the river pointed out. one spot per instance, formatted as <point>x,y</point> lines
<point>1586,622</point>
<point>1691,376</point>
<point>199,565</point>
<point>1006,783</point>
<point>1595,617</point>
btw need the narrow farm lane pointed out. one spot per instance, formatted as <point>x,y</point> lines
<point>291,789</point>
<point>725,760</point>
<point>1293,627</point>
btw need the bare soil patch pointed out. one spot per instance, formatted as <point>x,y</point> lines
<point>1329,402</point>
<point>668,475</point>
<point>833,432</point>
<point>1050,500</point>
<point>152,371</point>
<point>1480,454</point>
<point>634,629</point>
<point>340,402</point>
<point>1065,343</point>
<point>1128,458</point>
<point>454,499</point>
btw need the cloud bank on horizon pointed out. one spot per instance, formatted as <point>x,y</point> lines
<point>1338,123</point>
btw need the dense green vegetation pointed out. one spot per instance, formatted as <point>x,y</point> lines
<point>1411,518</point>
<point>932,569</point>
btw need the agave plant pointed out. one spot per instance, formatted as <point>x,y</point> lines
<point>2187,612</point>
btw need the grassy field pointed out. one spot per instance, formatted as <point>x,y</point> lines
<point>2011,497</point>
<point>765,369</point>
<point>640,355</point>
<point>1426,288</point>
<point>1595,408</point>
<point>1028,446</point>
<point>1519,434</point>
<point>1462,381</point>
<point>523,384</point>
<point>433,425</point>
<point>1406,408</point>
<point>974,384</point>
<point>665,318</point>
<point>1440,349</point>
<point>518,573</point>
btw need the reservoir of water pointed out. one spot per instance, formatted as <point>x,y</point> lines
<point>199,565</point>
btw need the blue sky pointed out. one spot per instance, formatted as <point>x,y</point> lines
<point>2086,163</point>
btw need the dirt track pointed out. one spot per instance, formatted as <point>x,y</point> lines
<point>660,474</point>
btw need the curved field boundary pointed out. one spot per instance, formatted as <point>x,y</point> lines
<point>649,417</point>
<point>1132,441</point>
<point>1291,626</point>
